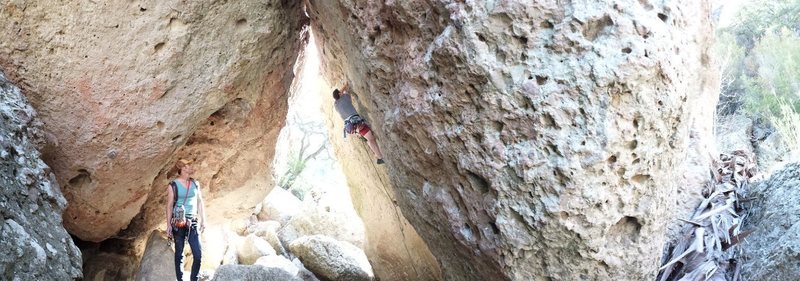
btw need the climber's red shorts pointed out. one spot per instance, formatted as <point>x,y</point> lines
<point>363,129</point>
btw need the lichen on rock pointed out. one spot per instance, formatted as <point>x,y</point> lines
<point>35,244</point>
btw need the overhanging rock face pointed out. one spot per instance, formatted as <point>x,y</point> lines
<point>525,141</point>
<point>123,87</point>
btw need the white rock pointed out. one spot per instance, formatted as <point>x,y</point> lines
<point>318,221</point>
<point>231,256</point>
<point>279,205</point>
<point>270,234</point>
<point>252,248</point>
<point>41,256</point>
<point>279,262</point>
<point>332,259</point>
<point>252,273</point>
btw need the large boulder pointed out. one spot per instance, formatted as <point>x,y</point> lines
<point>156,262</point>
<point>262,227</point>
<point>125,87</point>
<point>303,272</point>
<point>215,241</point>
<point>35,245</point>
<point>319,221</point>
<point>279,205</point>
<point>524,140</point>
<point>332,259</point>
<point>772,251</point>
<point>231,256</point>
<point>269,232</point>
<point>252,273</point>
<point>252,248</point>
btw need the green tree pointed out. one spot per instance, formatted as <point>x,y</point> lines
<point>760,17</point>
<point>300,157</point>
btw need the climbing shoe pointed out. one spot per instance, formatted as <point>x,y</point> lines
<point>380,161</point>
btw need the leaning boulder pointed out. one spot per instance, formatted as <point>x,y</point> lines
<point>155,263</point>
<point>332,259</point>
<point>523,139</point>
<point>196,79</point>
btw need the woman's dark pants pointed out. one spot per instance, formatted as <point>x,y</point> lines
<point>181,235</point>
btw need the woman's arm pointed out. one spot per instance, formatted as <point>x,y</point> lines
<point>201,209</point>
<point>170,201</point>
<point>345,88</point>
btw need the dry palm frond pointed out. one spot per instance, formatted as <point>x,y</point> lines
<point>704,252</point>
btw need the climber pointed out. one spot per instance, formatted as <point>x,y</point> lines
<point>186,217</point>
<point>353,123</point>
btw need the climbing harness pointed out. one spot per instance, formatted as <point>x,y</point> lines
<point>178,212</point>
<point>351,124</point>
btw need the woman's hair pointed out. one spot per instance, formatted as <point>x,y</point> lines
<point>336,94</point>
<point>180,164</point>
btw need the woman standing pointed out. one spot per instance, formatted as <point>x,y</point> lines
<point>184,198</point>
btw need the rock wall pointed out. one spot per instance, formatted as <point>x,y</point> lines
<point>35,246</point>
<point>395,249</point>
<point>771,252</point>
<point>525,141</point>
<point>125,87</point>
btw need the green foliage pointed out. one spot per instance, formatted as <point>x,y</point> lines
<point>731,58</point>
<point>299,193</point>
<point>760,62</point>
<point>299,159</point>
<point>787,124</point>
<point>296,165</point>
<point>775,78</point>
<point>761,16</point>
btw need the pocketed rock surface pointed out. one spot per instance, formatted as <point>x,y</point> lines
<point>523,141</point>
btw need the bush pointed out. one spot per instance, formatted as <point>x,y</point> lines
<point>731,58</point>
<point>760,65</point>
<point>776,82</point>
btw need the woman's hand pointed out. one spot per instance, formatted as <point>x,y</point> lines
<point>169,230</point>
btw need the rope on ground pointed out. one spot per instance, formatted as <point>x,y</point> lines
<point>707,247</point>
